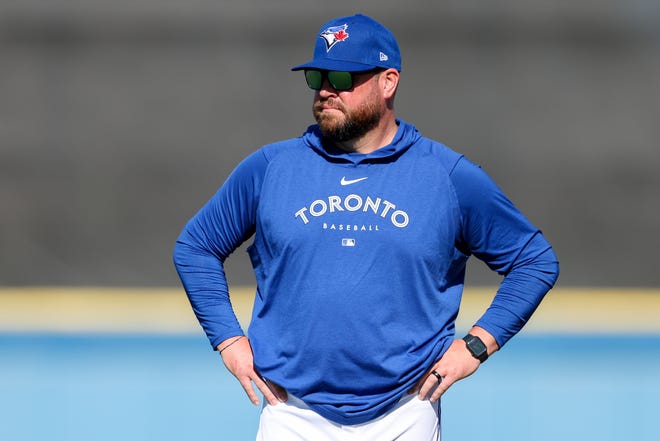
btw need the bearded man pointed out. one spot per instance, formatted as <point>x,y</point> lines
<point>361,229</point>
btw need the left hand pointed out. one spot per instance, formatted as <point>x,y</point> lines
<point>454,365</point>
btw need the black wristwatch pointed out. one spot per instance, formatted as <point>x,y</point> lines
<point>476,347</point>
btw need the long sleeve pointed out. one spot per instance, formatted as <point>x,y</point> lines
<point>222,224</point>
<point>496,232</point>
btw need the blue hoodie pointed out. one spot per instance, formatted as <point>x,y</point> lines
<point>360,264</point>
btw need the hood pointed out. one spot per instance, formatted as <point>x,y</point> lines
<point>405,137</point>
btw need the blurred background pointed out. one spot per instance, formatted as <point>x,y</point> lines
<point>119,119</point>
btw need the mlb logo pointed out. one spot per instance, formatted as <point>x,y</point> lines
<point>348,242</point>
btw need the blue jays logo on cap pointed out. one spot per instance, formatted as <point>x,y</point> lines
<point>334,35</point>
<point>370,45</point>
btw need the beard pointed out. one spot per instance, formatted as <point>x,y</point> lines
<point>354,124</point>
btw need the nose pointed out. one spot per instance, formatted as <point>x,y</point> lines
<point>326,89</point>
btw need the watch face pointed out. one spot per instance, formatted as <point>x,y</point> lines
<point>476,347</point>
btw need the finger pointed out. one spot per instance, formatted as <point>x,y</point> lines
<point>439,391</point>
<point>269,395</point>
<point>425,386</point>
<point>430,384</point>
<point>246,382</point>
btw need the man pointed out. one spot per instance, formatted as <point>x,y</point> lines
<point>362,229</point>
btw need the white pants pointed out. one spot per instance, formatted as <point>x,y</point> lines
<point>410,420</point>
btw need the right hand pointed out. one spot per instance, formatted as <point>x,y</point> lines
<point>239,361</point>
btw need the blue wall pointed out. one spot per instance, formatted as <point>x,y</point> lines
<point>82,387</point>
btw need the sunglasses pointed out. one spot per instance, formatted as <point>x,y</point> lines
<point>338,80</point>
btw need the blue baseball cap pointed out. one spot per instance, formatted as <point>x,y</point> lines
<point>354,44</point>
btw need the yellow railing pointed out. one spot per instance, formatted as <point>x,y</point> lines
<point>166,310</point>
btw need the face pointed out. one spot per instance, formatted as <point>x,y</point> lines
<point>349,114</point>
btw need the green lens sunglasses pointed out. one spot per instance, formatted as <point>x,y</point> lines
<point>339,80</point>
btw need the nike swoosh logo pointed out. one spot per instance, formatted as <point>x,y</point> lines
<point>345,181</point>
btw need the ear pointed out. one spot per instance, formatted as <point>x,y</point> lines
<point>389,81</point>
